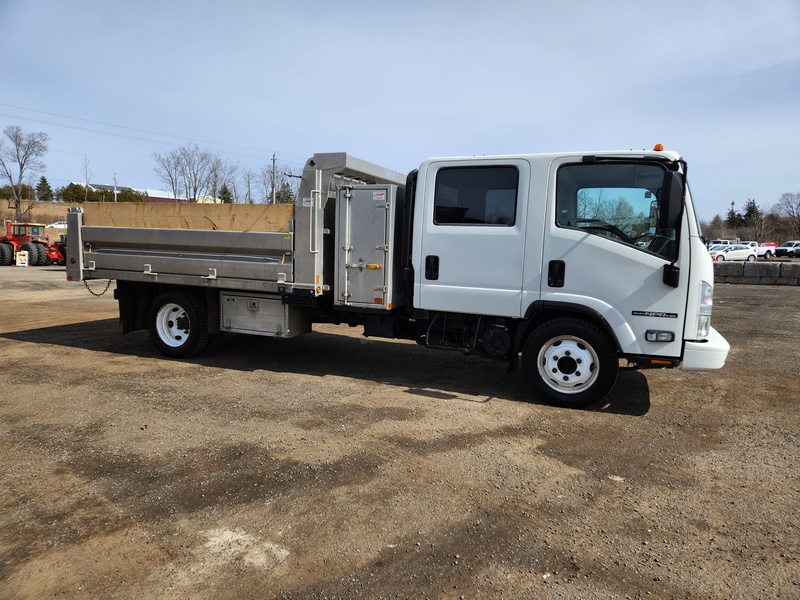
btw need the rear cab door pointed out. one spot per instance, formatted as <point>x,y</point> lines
<point>470,235</point>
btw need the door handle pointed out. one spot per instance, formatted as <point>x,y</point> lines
<point>432,268</point>
<point>555,273</point>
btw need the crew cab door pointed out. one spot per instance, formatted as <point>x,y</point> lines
<point>614,253</point>
<point>469,235</point>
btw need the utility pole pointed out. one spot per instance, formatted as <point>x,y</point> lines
<point>274,177</point>
<point>115,187</point>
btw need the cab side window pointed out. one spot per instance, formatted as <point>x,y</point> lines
<point>485,195</point>
<point>616,200</point>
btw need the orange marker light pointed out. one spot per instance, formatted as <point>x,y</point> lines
<point>658,147</point>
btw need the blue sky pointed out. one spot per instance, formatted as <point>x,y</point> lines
<point>397,82</point>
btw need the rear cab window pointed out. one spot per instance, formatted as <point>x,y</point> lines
<point>476,195</point>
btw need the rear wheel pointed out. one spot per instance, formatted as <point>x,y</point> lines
<point>570,363</point>
<point>177,324</point>
<point>751,258</point>
<point>6,254</point>
<point>767,255</point>
<point>720,258</point>
<point>42,260</point>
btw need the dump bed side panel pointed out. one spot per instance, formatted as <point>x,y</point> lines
<point>244,247</point>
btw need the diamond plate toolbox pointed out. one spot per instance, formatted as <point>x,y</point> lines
<point>260,315</point>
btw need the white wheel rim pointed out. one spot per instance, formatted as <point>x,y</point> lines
<point>172,325</point>
<point>568,364</point>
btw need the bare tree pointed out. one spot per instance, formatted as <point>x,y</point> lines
<point>196,165</point>
<point>274,180</point>
<point>87,176</point>
<point>168,169</point>
<point>20,158</point>
<point>221,173</point>
<point>621,214</point>
<point>249,181</point>
<point>592,204</point>
<point>188,171</point>
<point>788,207</point>
<point>760,224</point>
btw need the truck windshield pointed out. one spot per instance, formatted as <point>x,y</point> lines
<point>617,200</point>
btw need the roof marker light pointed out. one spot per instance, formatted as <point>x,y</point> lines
<point>658,147</point>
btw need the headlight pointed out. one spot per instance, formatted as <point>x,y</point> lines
<point>704,315</point>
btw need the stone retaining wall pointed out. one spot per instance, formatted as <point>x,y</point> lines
<point>757,273</point>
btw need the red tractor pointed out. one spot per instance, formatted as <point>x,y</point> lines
<point>31,238</point>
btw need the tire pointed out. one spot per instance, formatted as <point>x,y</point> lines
<point>6,253</point>
<point>45,259</point>
<point>41,260</point>
<point>177,324</point>
<point>569,363</point>
<point>751,258</point>
<point>767,255</point>
<point>720,258</point>
<point>33,253</point>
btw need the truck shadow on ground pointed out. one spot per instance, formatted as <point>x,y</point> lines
<point>439,375</point>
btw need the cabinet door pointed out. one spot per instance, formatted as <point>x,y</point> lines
<point>363,239</point>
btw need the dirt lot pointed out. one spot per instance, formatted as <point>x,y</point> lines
<point>331,466</point>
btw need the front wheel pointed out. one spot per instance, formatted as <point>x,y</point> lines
<point>720,258</point>
<point>570,363</point>
<point>177,324</point>
<point>751,258</point>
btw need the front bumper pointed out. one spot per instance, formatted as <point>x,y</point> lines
<point>708,355</point>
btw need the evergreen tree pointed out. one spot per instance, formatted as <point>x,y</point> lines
<point>128,195</point>
<point>225,195</point>
<point>73,193</point>
<point>44,193</point>
<point>752,213</point>
<point>284,194</point>
<point>734,220</point>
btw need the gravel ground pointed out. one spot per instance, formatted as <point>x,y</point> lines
<point>333,466</point>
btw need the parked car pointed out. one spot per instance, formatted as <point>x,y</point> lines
<point>711,243</point>
<point>790,249</point>
<point>733,252</point>
<point>765,250</point>
<point>57,225</point>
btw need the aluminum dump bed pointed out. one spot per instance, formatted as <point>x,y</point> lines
<point>266,248</point>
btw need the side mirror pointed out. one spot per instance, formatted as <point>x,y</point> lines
<point>671,200</point>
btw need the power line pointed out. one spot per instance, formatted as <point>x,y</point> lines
<point>120,135</point>
<point>135,162</point>
<point>124,136</point>
<point>264,160</point>
<point>128,128</point>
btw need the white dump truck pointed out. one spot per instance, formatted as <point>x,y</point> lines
<point>566,263</point>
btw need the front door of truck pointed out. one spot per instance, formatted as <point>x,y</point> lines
<point>613,250</point>
<point>470,236</point>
